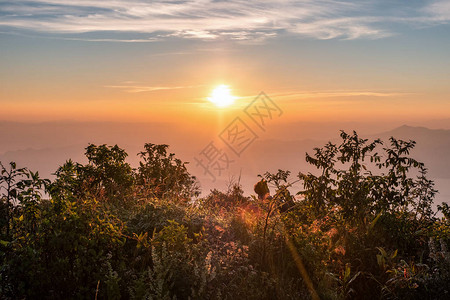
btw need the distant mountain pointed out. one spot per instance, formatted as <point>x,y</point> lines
<point>432,148</point>
<point>43,147</point>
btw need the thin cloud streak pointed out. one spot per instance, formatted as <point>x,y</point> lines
<point>333,94</point>
<point>141,88</point>
<point>211,20</point>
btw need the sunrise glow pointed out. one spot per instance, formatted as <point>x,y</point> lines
<point>221,96</point>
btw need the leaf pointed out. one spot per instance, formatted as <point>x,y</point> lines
<point>354,277</point>
<point>374,221</point>
<point>347,272</point>
<point>380,260</point>
<point>382,251</point>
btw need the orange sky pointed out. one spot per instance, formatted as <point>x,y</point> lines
<point>313,64</point>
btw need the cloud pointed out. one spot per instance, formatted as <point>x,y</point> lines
<point>239,20</point>
<point>131,87</point>
<point>439,11</point>
<point>295,95</point>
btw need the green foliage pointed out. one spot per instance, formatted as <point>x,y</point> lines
<point>367,202</point>
<point>218,201</point>
<point>162,175</point>
<point>362,227</point>
<point>106,177</point>
<point>11,184</point>
<point>65,251</point>
<point>445,209</point>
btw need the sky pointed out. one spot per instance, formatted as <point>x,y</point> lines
<point>74,72</point>
<point>147,61</point>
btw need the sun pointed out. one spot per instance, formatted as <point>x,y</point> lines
<point>221,96</point>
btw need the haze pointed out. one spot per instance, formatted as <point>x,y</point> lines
<point>121,72</point>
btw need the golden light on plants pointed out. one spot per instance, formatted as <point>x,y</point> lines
<point>221,96</point>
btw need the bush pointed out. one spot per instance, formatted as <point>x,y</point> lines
<point>362,227</point>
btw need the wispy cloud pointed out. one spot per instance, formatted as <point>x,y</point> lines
<point>296,95</point>
<point>132,87</point>
<point>340,93</point>
<point>439,11</point>
<point>214,19</point>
